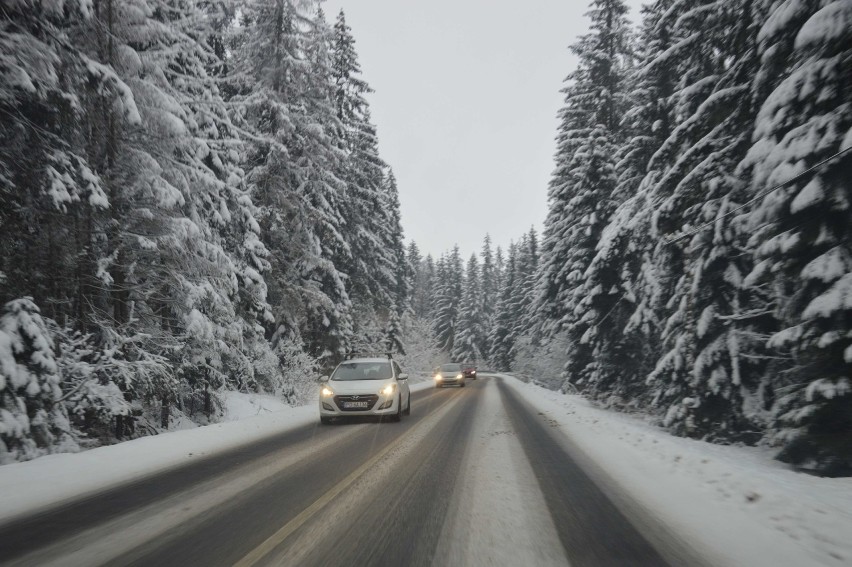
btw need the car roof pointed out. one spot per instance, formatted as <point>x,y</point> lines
<point>371,360</point>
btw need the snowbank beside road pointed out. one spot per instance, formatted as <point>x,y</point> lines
<point>49,480</point>
<point>734,505</point>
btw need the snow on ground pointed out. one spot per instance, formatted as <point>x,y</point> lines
<point>735,505</point>
<point>49,480</point>
<point>241,406</point>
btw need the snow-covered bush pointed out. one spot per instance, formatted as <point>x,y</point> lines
<point>100,377</point>
<point>33,420</point>
<point>541,364</point>
<point>422,353</point>
<point>299,373</point>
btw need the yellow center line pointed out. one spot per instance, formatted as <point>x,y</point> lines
<point>275,539</point>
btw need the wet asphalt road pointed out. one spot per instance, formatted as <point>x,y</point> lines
<point>353,493</point>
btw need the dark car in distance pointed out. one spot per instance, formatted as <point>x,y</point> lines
<point>469,370</point>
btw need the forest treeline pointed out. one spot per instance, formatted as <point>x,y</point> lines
<point>192,200</point>
<point>696,259</point>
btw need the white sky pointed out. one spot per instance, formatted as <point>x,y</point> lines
<point>466,98</point>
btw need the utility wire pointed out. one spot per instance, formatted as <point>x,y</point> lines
<point>758,196</point>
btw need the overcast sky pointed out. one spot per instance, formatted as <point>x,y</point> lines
<point>465,102</point>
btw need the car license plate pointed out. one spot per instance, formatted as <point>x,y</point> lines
<point>356,405</point>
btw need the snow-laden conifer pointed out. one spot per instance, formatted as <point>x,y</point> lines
<point>371,220</point>
<point>470,332</point>
<point>707,379</point>
<point>284,96</point>
<point>502,338</point>
<point>33,420</point>
<point>589,125</point>
<point>801,233</point>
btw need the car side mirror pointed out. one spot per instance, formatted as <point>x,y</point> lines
<point>322,379</point>
<point>402,376</point>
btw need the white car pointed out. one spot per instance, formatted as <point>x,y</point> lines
<point>365,387</point>
<point>450,374</point>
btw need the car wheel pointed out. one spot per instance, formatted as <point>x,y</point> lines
<point>398,415</point>
<point>325,420</point>
<point>408,407</point>
<point>462,385</point>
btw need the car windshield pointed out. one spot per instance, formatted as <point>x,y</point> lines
<point>450,367</point>
<point>362,371</point>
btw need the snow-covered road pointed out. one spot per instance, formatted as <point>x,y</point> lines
<point>498,473</point>
<point>450,485</point>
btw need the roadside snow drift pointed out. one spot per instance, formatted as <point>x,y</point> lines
<point>734,505</point>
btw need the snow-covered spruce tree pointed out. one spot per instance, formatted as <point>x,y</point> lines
<point>394,333</point>
<point>285,98</point>
<point>802,231</point>
<point>707,383</point>
<point>502,337</point>
<point>488,279</point>
<point>181,260</point>
<point>448,295</point>
<point>499,270</point>
<point>33,420</point>
<point>369,214</point>
<point>395,246</point>
<point>626,249</point>
<point>526,268</point>
<point>428,283</point>
<point>48,185</point>
<point>556,281</point>
<point>470,330</point>
<point>423,274</point>
<point>402,269</point>
<point>217,201</point>
<point>589,210</point>
<point>590,182</point>
<point>578,207</point>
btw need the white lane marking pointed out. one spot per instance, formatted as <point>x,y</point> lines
<point>108,541</point>
<point>374,464</point>
<point>498,515</point>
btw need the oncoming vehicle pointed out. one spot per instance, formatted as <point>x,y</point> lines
<point>365,387</point>
<point>449,374</point>
<point>469,370</point>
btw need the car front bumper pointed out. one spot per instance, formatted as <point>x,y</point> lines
<point>335,406</point>
<point>449,382</point>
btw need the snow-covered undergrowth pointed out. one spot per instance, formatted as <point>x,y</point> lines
<point>541,364</point>
<point>735,505</point>
<point>421,352</point>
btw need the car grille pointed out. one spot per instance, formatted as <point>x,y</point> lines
<point>371,400</point>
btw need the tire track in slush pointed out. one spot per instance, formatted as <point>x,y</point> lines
<point>593,531</point>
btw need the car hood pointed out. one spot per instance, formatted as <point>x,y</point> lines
<point>359,386</point>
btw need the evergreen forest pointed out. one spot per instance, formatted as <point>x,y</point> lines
<point>193,201</point>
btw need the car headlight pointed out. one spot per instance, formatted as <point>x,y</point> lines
<point>459,376</point>
<point>438,377</point>
<point>326,392</point>
<point>388,390</point>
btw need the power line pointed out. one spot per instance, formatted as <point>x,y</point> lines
<point>759,196</point>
